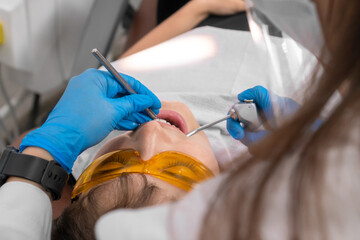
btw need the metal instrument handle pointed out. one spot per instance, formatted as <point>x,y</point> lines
<point>118,77</point>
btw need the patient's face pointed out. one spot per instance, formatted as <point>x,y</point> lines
<point>155,137</point>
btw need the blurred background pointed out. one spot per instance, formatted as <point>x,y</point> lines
<point>43,43</point>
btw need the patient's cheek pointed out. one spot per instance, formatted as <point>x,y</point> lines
<point>199,147</point>
<point>117,143</point>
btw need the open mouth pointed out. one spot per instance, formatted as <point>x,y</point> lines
<point>174,118</point>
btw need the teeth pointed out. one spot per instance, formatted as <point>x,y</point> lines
<point>162,120</point>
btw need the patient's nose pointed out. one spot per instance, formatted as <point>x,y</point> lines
<point>149,143</point>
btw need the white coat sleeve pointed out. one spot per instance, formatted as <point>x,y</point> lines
<point>25,212</point>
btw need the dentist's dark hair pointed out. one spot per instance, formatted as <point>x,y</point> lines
<point>296,157</point>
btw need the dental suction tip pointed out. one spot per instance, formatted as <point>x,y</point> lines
<point>207,126</point>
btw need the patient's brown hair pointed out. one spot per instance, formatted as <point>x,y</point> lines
<point>78,220</point>
<point>242,198</point>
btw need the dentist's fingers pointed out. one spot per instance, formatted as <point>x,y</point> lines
<point>130,104</point>
<point>234,128</point>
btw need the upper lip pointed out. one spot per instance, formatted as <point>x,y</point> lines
<point>174,118</point>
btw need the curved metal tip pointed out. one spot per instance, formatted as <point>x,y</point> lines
<point>192,133</point>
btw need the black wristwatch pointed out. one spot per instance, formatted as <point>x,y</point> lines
<point>48,174</point>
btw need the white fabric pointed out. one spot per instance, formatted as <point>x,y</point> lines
<point>208,85</point>
<point>148,231</point>
<point>25,212</point>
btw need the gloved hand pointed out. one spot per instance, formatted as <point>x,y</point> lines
<point>264,102</point>
<point>92,105</point>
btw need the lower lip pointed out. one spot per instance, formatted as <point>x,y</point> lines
<point>174,118</point>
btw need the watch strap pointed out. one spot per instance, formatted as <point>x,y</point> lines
<point>48,174</point>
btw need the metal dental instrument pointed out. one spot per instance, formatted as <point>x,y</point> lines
<point>245,113</point>
<point>118,77</point>
<point>207,126</point>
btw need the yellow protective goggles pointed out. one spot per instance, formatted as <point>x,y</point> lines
<point>173,167</point>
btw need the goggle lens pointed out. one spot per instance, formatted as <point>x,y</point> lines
<point>174,167</point>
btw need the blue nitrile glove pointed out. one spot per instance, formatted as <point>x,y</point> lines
<point>92,105</point>
<point>263,100</point>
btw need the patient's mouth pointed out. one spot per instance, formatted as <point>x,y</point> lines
<point>174,118</point>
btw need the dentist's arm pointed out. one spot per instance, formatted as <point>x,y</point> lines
<point>92,105</point>
<point>37,152</point>
<point>25,206</point>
